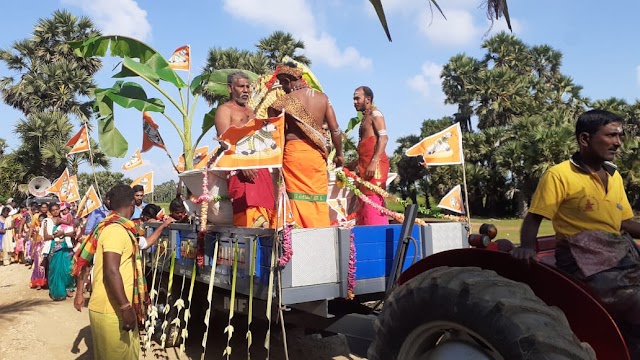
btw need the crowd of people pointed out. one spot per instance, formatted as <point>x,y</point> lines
<point>45,235</point>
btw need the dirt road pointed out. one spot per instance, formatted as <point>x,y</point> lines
<point>33,327</point>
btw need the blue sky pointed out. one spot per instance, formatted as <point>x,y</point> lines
<point>348,49</point>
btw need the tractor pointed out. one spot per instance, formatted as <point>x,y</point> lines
<point>481,303</point>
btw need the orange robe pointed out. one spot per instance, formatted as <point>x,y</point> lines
<point>305,175</point>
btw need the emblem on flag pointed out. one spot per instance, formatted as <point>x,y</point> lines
<point>181,58</point>
<point>79,142</point>
<point>453,200</point>
<point>443,148</point>
<point>90,201</point>
<point>134,162</point>
<point>150,134</point>
<point>258,144</point>
<point>200,157</point>
<point>146,181</point>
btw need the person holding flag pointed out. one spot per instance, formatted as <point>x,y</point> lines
<point>251,190</point>
<point>372,163</point>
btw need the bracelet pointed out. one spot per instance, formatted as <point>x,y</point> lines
<point>125,306</point>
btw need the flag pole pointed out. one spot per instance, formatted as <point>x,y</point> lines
<point>189,78</point>
<point>466,192</point>
<point>93,169</point>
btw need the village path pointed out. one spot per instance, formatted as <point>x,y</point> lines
<point>33,327</point>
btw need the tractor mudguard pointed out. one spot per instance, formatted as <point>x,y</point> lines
<point>588,319</point>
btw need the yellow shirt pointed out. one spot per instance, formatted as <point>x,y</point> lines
<point>574,200</point>
<point>113,238</point>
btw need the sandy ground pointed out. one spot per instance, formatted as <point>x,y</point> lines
<point>34,327</point>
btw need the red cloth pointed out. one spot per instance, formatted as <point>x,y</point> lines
<point>245,194</point>
<point>366,149</point>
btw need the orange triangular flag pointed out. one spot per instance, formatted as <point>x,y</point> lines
<point>150,134</point>
<point>181,58</point>
<point>71,192</point>
<point>79,142</point>
<point>134,162</point>
<point>146,181</point>
<point>60,183</point>
<point>200,158</point>
<point>453,201</point>
<point>90,201</point>
<point>443,148</point>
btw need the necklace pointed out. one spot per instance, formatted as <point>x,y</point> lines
<point>299,87</point>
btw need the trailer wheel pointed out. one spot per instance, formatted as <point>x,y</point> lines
<point>470,313</point>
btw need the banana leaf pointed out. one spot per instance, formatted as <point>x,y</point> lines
<point>126,47</point>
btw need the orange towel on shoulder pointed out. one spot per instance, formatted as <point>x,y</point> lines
<point>305,177</point>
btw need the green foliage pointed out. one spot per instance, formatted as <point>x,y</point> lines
<point>106,180</point>
<point>153,68</point>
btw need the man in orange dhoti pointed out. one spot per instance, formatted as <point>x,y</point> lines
<point>304,165</point>
<point>251,190</point>
<point>373,163</point>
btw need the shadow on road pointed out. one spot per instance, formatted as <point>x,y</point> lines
<point>12,309</point>
<point>83,334</point>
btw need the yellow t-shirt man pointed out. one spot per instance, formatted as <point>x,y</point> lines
<point>113,238</point>
<point>574,199</point>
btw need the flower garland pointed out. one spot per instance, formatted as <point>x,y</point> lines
<point>343,181</point>
<point>345,174</point>
<point>351,274</point>
<point>286,246</point>
<point>203,200</point>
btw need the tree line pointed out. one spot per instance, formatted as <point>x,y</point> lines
<point>523,107</point>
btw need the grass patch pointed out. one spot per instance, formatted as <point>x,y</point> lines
<point>507,228</point>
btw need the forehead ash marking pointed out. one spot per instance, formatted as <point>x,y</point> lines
<point>357,93</point>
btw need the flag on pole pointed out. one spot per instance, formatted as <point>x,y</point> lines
<point>71,193</point>
<point>90,201</point>
<point>79,142</point>
<point>146,181</point>
<point>60,183</point>
<point>453,201</point>
<point>200,158</point>
<point>150,134</point>
<point>134,162</point>
<point>443,148</point>
<point>181,58</point>
<point>258,144</point>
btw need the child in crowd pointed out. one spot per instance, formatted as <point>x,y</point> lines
<point>177,210</point>
<point>66,219</point>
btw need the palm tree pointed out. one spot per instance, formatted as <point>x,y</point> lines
<point>458,75</point>
<point>280,44</point>
<point>233,58</point>
<point>48,74</point>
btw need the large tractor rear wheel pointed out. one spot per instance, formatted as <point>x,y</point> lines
<point>470,313</point>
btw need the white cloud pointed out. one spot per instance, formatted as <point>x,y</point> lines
<point>457,29</point>
<point>465,21</point>
<point>116,17</point>
<point>638,74</point>
<point>428,82</point>
<point>319,46</point>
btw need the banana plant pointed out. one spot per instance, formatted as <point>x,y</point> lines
<point>143,63</point>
